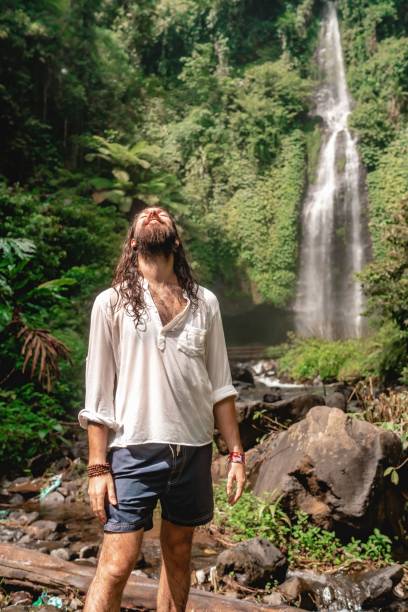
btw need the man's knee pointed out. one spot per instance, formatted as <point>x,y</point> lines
<point>176,540</point>
<point>118,556</point>
<point>115,571</point>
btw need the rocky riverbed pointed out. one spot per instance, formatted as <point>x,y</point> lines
<point>301,440</point>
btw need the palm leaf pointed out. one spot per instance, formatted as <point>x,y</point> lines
<point>44,350</point>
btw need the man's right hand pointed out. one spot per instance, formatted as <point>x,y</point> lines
<point>99,487</point>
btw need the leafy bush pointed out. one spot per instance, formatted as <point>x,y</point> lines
<point>303,542</point>
<point>306,358</point>
<point>29,426</point>
<point>251,517</point>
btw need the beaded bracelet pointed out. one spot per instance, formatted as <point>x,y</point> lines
<point>236,457</point>
<point>97,469</point>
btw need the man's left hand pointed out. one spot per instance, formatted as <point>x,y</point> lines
<point>235,482</point>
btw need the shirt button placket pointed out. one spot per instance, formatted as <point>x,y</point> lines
<point>161,341</point>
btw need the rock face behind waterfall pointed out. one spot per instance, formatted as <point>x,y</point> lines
<point>331,466</point>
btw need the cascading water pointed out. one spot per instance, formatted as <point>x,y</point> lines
<point>329,300</point>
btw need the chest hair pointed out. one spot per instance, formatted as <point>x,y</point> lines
<point>169,301</point>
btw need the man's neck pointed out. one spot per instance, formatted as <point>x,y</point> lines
<point>158,269</point>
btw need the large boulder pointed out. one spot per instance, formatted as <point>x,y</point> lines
<point>339,591</point>
<point>253,563</point>
<point>331,466</point>
<point>255,418</point>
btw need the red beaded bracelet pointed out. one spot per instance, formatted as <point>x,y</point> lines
<point>236,457</point>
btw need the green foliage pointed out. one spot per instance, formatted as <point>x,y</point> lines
<point>252,517</point>
<point>136,176</point>
<point>379,87</point>
<point>376,49</point>
<point>385,279</point>
<point>232,132</point>
<point>263,222</point>
<point>302,541</point>
<point>29,426</point>
<point>201,106</point>
<point>58,79</point>
<point>388,193</point>
<point>305,358</point>
<point>56,254</point>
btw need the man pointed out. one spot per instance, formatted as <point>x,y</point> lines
<point>157,380</point>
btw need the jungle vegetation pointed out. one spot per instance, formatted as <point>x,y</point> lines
<point>202,106</point>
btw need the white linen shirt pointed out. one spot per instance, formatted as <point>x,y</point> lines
<point>156,383</point>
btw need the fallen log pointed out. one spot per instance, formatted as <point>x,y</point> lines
<point>23,565</point>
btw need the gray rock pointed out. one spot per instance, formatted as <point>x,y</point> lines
<point>10,535</point>
<point>23,518</point>
<point>337,400</point>
<point>75,604</point>
<point>30,517</point>
<point>339,591</point>
<point>294,408</point>
<point>272,396</point>
<point>26,539</point>
<point>21,480</point>
<point>242,374</point>
<point>265,366</point>
<point>330,465</point>
<point>251,428</point>
<point>41,529</point>
<point>52,500</point>
<point>90,550</point>
<point>61,553</point>
<point>88,561</point>
<point>377,586</point>
<point>16,500</point>
<point>274,599</point>
<point>253,562</point>
<point>139,572</point>
<point>20,597</point>
<point>292,588</point>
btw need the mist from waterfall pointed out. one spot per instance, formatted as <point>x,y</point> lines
<point>334,243</point>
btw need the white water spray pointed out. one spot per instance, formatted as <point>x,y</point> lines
<point>329,301</point>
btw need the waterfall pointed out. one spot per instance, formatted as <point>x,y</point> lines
<point>329,301</point>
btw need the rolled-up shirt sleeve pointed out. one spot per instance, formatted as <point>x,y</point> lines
<point>100,371</point>
<point>217,363</point>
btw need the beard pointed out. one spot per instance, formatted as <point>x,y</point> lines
<point>156,239</point>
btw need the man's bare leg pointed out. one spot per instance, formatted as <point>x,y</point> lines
<point>175,573</point>
<point>118,557</point>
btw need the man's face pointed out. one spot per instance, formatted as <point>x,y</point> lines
<point>154,232</point>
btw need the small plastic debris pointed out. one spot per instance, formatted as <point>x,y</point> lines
<point>43,599</point>
<point>4,514</point>
<point>40,601</point>
<point>54,484</point>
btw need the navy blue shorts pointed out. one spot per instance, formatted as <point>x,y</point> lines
<point>177,475</point>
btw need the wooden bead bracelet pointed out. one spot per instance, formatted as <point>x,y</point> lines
<point>97,469</point>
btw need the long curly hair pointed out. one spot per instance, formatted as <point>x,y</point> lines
<point>128,280</point>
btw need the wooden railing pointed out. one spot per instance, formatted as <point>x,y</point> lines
<point>245,353</point>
